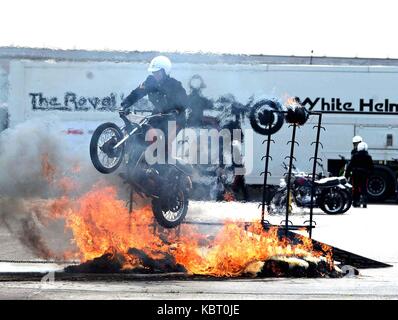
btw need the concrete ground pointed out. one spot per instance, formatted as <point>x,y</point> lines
<point>368,232</point>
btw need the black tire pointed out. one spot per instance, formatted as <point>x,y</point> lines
<point>259,124</point>
<point>348,204</point>
<point>161,214</point>
<point>95,149</point>
<point>333,201</point>
<point>381,184</point>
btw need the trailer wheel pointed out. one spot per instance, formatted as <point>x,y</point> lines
<point>381,184</point>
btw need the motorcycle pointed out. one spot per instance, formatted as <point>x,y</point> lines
<point>168,185</point>
<point>332,195</point>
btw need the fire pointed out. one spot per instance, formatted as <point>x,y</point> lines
<point>290,101</point>
<point>47,168</point>
<point>66,185</point>
<point>229,196</point>
<point>101,224</point>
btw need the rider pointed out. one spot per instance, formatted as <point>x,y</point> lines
<point>165,93</point>
<point>361,165</point>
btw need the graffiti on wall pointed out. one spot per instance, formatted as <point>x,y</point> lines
<point>72,101</point>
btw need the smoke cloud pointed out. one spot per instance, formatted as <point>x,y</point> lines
<point>36,166</point>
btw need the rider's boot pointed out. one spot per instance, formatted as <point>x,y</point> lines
<point>364,201</point>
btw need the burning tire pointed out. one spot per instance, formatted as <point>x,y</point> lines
<point>104,157</point>
<point>263,119</point>
<point>170,212</point>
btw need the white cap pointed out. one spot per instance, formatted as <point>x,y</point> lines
<point>160,62</point>
<point>362,146</point>
<point>357,139</point>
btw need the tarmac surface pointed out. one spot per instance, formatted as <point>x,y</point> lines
<point>368,232</point>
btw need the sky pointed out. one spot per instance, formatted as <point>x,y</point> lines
<point>283,27</point>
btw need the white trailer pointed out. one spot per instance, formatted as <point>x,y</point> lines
<point>84,89</point>
<point>354,100</point>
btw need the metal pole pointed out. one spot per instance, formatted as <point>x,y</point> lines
<point>265,177</point>
<point>293,141</point>
<point>318,133</point>
<point>131,206</point>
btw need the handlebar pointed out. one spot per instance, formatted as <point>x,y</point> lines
<point>286,167</point>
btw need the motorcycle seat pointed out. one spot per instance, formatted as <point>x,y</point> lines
<point>342,180</point>
<point>328,182</point>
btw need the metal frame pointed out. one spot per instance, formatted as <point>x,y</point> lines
<point>287,224</point>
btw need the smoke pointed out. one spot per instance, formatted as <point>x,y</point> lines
<point>21,151</point>
<point>37,165</point>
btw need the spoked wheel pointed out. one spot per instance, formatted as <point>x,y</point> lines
<point>333,202</point>
<point>170,212</point>
<point>104,156</point>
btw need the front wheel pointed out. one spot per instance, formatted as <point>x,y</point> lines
<point>348,200</point>
<point>170,212</point>
<point>278,203</point>
<point>104,156</point>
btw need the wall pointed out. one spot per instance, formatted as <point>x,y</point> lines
<point>4,71</point>
<point>84,94</point>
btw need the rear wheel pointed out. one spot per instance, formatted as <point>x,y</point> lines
<point>170,212</point>
<point>104,156</point>
<point>333,201</point>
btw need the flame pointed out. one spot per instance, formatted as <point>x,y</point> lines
<point>289,100</point>
<point>76,167</point>
<point>101,224</point>
<point>51,173</point>
<point>47,168</point>
<point>229,196</point>
<point>66,185</point>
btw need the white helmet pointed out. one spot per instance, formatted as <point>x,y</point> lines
<point>362,146</point>
<point>357,139</point>
<point>160,62</point>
